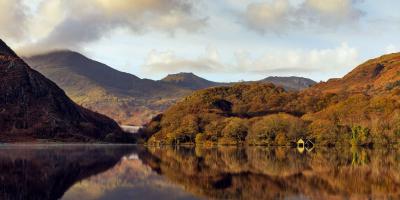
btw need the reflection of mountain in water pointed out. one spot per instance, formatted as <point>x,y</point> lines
<point>46,172</point>
<point>258,173</point>
<point>129,179</point>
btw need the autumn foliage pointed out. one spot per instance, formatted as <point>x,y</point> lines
<point>363,108</point>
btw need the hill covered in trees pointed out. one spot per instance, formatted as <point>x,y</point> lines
<point>362,108</point>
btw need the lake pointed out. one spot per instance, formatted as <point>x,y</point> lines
<point>136,172</point>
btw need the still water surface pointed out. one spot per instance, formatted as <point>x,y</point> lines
<point>134,172</point>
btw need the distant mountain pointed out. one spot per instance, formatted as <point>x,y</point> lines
<point>290,83</point>
<point>190,81</point>
<point>122,96</point>
<point>33,107</point>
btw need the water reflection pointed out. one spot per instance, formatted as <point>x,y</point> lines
<point>132,172</point>
<point>47,171</point>
<point>70,172</point>
<point>129,179</point>
<point>260,173</point>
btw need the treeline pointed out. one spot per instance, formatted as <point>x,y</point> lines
<point>263,114</point>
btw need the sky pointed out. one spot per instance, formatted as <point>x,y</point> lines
<point>221,40</point>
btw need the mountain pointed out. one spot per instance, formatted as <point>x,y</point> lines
<point>121,96</point>
<point>290,83</point>
<point>362,108</point>
<point>193,82</point>
<point>190,81</point>
<point>32,108</point>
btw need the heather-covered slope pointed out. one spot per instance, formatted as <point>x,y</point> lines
<point>375,75</point>
<point>32,108</point>
<point>363,108</point>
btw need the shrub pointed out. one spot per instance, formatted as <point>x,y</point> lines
<point>359,135</point>
<point>265,130</point>
<point>235,129</point>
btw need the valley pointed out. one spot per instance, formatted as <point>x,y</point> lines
<point>124,97</point>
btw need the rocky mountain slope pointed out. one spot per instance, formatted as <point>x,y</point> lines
<point>121,96</point>
<point>33,108</point>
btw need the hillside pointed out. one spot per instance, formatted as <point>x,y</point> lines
<point>32,108</point>
<point>122,96</point>
<point>362,108</point>
<point>375,75</point>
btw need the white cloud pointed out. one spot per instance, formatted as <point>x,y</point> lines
<point>71,23</point>
<point>280,15</point>
<point>331,12</point>
<point>12,19</point>
<point>323,60</point>
<point>333,60</point>
<point>168,62</point>
<point>268,16</point>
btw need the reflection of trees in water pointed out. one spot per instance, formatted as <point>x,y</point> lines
<point>262,173</point>
<point>46,172</point>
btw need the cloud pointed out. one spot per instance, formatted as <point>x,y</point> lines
<point>268,16</point>
<point>295,61</point>
<point>12,19</point>
<point>168,62</point>
<point>331,12</point>
<point>300,61</point>
<point>72,23</point>
<point>280,15</point>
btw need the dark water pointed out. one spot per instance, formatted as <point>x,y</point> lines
<point>133,172</point>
